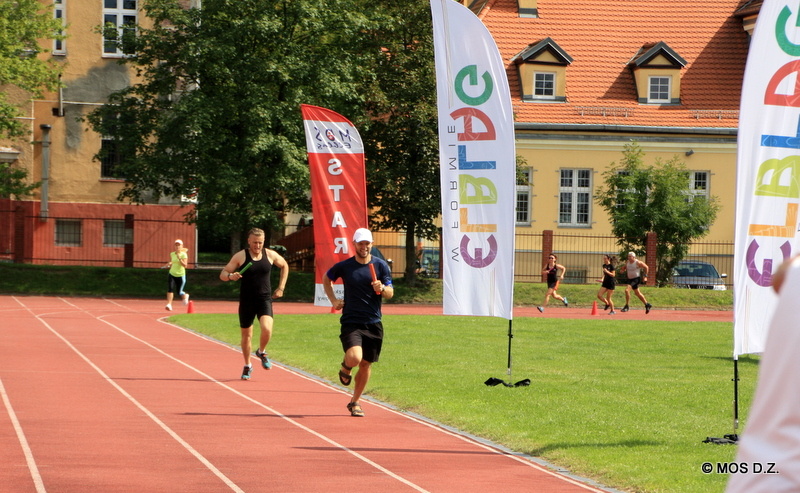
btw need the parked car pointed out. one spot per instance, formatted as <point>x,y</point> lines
<point>428,263</point>
<point>694,274</point>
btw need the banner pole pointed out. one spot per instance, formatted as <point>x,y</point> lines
<point>510,336</point>
<point>735,396</point>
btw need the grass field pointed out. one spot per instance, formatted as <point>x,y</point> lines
<point>623,402</point>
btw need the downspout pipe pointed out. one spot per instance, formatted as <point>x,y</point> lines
<point>45,206</point>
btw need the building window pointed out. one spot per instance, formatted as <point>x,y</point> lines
<point>544,85</point>
<point>69,232</point>
<point>698,183</point>
<point>659,89</point>
<point>120,15</point>
<point>59,12</point>
<point>523,217</point>
<point>114,233</point>
<point>109,159</point>
<point>574,203</point>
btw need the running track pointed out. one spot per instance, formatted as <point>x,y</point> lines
<point>102,395</point>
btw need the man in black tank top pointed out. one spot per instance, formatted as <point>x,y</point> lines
<point>253,267</point>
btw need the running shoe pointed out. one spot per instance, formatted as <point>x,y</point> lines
<point>265,362</point>
<point>186,300</point>
<point>566,303</point>
<point>647,308</point>
<point>612,312</point>
<point>541,310</point>
<point>246,372</point>
<point>168,307</point>
<point>606,307</point>
<point>625,309</point>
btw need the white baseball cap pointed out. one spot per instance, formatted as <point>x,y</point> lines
<point>362,234</point>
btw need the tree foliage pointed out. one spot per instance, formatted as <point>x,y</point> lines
<point>14,181</point>
<point>657,198</point>
<point>402,141</point>
<point>216,109</point>
<point>24,26</point>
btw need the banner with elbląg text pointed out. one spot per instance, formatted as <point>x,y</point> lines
<point>338,189</point>
<point>477,165</point>
<point>768,170</point>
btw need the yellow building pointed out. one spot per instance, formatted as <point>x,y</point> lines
<point>75,217</point>
<point>588,77</point>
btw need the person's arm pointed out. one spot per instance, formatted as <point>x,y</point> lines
<point>644,266</point>
<point>562,270</point>
<point>184,259</point>
<point>280,262</point>
<point>327,285</point>
<point>387,292</point>
<point>229,272</point>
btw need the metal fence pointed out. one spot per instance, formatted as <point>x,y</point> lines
<point>581,254</point>
<point>123,241</point>
<point>127,241</point>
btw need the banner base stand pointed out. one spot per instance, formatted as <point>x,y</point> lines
<point>491,382</point>
<point>730,439</point>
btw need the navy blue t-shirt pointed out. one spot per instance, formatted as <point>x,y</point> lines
<point>361,304</point>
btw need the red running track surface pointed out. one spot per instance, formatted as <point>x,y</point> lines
<point>102,395</point>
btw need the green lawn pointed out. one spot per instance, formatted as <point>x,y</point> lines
<point>626,403</point>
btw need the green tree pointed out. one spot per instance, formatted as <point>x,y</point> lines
<point>216,110</point>
<point>24,26</point>
<point>402,137</point>
<point>657,198</point>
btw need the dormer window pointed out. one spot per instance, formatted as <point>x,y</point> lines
<point>542,69</point>
<point>657,74</point>
<point>659,90</point>
<point>544,85</point>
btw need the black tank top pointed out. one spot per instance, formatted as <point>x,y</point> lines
<point>256,281</point>
<point>551,274</point>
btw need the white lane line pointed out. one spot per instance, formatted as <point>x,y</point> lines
<point>23,442</point>
<point>247,398</point>
<point>146,411</point>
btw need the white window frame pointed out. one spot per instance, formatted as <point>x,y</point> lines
<point>699,183</point>
<point>523,204</point>
<point>575,197</point>
<point>542,87</point>
<point>654,94</point>
<point>122,15</point>
<point>60,12</point>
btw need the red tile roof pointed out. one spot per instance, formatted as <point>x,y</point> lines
<point>603,36</point>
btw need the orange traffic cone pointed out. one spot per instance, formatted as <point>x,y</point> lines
<point>594,308</point>
<point>190,308</point>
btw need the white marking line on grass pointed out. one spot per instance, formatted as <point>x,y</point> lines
<point>147,412</point>
<point>23,442</point>
<point>240,394</point>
